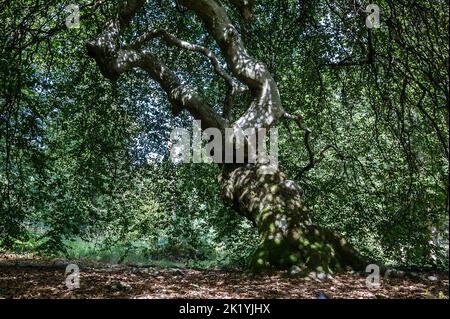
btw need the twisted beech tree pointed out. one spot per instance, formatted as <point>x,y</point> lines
<point>265,196</point>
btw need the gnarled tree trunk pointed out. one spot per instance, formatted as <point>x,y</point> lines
<point>287,235</point>
<point>260,192</point>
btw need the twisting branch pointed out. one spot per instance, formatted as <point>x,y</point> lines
<point>114,61</point>
<point>266,107</point>
<point>232,85</point>
<point>173,40</point>
<point>313,161</point>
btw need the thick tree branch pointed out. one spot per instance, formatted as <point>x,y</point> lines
<point>245,7</point>
<point>266,107</point>
<point>232,86</point>
<point>114,61</point>
<point>173,40</point>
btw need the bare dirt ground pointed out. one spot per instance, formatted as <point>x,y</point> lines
<point>31,277</point>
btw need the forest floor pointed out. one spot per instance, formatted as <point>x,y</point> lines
<point>23,276</point>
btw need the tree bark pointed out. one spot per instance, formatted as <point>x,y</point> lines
<point>287,236</point>
<point>259,191</point>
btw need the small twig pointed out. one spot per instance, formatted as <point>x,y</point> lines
<point>307,132</point>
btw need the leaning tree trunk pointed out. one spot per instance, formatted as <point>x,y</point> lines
<point>260,192</point>
<point>287,235</point>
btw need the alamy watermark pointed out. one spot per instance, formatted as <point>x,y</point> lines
<point>72,276</point>
<point>232,145</point>
<point>373,279</point>
<point>73,19</point>
<point>373,19</point>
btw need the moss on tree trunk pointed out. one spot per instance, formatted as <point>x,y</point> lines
<point>287,235</point>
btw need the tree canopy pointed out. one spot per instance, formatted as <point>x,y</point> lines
<point>85,152</point>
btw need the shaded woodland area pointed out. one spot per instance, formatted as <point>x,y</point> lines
<point>91,91</point>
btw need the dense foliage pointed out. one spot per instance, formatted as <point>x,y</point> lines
<point>84,164</point>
